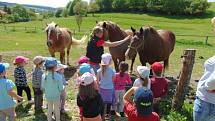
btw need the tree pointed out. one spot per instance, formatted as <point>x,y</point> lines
<point>106,5</point>
<point>65,12</point>
<point>20,14</point>
<point>120,5</point>
<point>58,12</point>
<point>93,7</point>
<point>70,6</point>
<point>80,9</point>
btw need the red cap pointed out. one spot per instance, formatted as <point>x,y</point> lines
<point>157,67</point>
<point>83,59</point>
<point>20,59</point>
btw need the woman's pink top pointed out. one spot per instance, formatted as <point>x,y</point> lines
<point>120,82</point>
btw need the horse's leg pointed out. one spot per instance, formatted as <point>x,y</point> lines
<point>67,53</point>
<point>166,65</point>
<point>131,67</point>
<point>115,64</point>
<point>62,57</point>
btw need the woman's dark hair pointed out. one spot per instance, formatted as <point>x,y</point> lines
<point>87,92</point>
<point>123,67</point>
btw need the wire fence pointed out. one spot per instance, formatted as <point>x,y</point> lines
<point>83,31</point>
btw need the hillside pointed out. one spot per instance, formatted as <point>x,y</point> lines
<point>36,7</point>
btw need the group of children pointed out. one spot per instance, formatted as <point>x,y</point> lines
<point>102,93</point>
<point>51,82</point>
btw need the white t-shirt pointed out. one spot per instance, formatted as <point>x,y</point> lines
<point>139,83</point>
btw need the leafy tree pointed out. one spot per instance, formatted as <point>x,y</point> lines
<point>138,5</point>
<point>70,6</point>
<point>93,7</point>
<point>106,5</point>
<point>20,14</point>
<point>120,5</point>
<point>65,12</point>
<point>80,9</point>
<point>58,12</point>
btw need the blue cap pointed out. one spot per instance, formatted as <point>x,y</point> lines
<point>143,99</point>
<point>3,67</point>
<point>50,62</point>
<point>84,68</point>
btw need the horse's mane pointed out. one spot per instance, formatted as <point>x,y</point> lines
<point>113,27</point>
<point>150,33</point>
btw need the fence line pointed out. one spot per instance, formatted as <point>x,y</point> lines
<point>87,31</point>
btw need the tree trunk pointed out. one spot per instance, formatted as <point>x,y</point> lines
<point>184,79</point>
<point>0,58</point>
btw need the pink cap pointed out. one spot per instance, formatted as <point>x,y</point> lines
<point>20,59</point>
<point>83,59</point>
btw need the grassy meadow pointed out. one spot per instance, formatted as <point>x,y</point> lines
<point>28,43</point>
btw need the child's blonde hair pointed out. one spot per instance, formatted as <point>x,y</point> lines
<point>96,30</point>
<point>104,68</point>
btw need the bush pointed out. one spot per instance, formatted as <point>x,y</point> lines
<point>197,7</point>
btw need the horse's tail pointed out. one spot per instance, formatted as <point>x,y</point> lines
<point>78,42</point>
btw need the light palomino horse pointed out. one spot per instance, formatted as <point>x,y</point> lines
<point>60,38</point>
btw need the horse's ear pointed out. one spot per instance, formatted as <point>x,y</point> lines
<point>97,22</point>
<point>46,24</point>
<point>133,30</point>
<point>104,25</point>
<point>56,25</point>
<point>141,30</point>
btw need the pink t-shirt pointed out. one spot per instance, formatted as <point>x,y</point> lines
<point>120,82</point>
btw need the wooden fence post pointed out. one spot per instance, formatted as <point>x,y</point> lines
<point>184,79</point>
<point>206,40</point>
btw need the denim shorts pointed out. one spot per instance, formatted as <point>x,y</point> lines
<point>203,111</point>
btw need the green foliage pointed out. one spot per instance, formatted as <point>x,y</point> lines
<point>65,12</point>
<point>80,8</point>
<point>58,12</point>
<point>93,7</point>
<point>184,6</point>
<point>137,5</point>
<point>120,5</point>
<point>20,14</point>
<point>70,6</point>
<point>106,5</point>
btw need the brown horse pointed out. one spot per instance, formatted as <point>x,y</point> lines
<point>114,33</point>
<point>151,45</point>
<point>60,38</point>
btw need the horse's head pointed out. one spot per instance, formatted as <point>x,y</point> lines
<point>105,27</point>
<point>136,43</point>
<point>52,33</point>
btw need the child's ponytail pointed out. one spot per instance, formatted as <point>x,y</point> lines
<point>104,68</point>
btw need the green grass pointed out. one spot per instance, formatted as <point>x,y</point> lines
<point>30,44</point>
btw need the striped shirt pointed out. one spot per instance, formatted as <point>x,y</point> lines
<point>37,77</point>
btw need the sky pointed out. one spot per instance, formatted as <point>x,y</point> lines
<point>50,3</point>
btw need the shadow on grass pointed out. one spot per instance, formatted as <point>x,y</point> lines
<point>23,111</point>
<point>69,72</point>
<point>40,116</point>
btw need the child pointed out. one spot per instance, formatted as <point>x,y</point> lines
<point>204,105</point>
<point>141,108</point>
<point>159,84</point>
<point>89,99</point>
<point>60,70</point>
<point>95,47</point>
<point>143,79</point>
<point>83,59</point>
<point>52,85</point>
<point>20,77</point>
<point>7,104</point>
<point>36,82</point>
<point>121,80</point>
<point>105,76</point>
